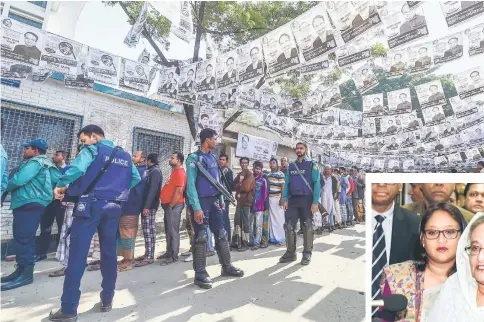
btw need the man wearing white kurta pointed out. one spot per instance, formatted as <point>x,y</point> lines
<point>327,199</point>
<point>276,181</point>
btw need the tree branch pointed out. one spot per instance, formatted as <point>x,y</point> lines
<point>230,32</point>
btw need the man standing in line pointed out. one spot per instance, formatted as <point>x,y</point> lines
<point>329,185</point>
<point>256,214</point>
<point>54,210</point>
<point>349,198</point>
<point>31,190</point>
<point>301,197</point>
<point>276,179</point>
<point>356,197</point>
<point>229,176</point>
<point>100,196</point>
<point>284,164</point>
<point>172,202</point>
<point>206,201</point>
<point>151,203</point>
<point>244,186</point>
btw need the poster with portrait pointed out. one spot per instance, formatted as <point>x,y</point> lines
<point>430,94</point>
<point>408,139</point>
<point>455,159</point>
<point>350,118</point>
<point>408,165</point>
<point>310,108</point>
<point>330,97</point>
<point>184,28</point>
<point>475,37</point>
<point>389,126</point>
<point>475,133</point>
<point>473,154</point>
<point>403,24</point>
<point>270,102</point>
<point>420,58</point>
<point>60,54</point>
<point>441,162</point>
<point>365,162</point>
<point>456,12</point>
<point>369,127</point>
<point>319,67</point>
<point>248,97</point>
<point>365,79</point>
<point>330,116</point>
<point>456,141</point>
<point>210,118</point>
<point>224,98</point>
<point>284,126</point>
<point>186,80</point>
<point>393,165</point>
<point>102,66</point>
<point>469,82</point>
<point>144,57</point>
<point>168,82</point>
<point>15,70</point>
<point>354,52</point>
<point>373,105</point>
<point>399,101</point>
<point>134,34</point>
<point>226,71</point>
<point>313,33</point>
<point>20,42</point>
<point>80,79</point>
<point>464,122</point>
<point>467,106</point>
<point>136,76</point>
<point>448,128</point>
<point>205,76</point>
<point>255,148</point>
<point>40,75</point>
<point>352,18</point>
<point>280,51</point>
<point>410,122</point>
<point>379,165</point>
<point>395,63</point>
<point>250,65</point>
<point>448,48</point>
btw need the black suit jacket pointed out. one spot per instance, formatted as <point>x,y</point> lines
<point>405,235</point>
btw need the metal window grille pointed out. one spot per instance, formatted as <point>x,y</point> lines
<point>25,20</point>
<point>25,123</point>
<point>164,144</point>
<point>42,4</point>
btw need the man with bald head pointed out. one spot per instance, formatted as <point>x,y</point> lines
<point>434,193</point>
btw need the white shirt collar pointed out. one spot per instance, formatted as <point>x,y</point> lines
<point>386,214</point>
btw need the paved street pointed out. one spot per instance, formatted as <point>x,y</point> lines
<point>329,289</point>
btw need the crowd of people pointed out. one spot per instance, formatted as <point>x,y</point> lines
<point>429,251</point>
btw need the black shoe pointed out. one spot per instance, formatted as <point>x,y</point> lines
<point>61,317</point>
<point>306,259</point>
<point>40,257</point>
<point>232,271</point>
<point>106,307</point>
<point>242,248</point>
<point>25,278</point>
<point>16,273</point>
<point>223,252</point>
<point>288,257</point>
<point>203,280</point>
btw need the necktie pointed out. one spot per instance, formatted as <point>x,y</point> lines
<point>379,258</point>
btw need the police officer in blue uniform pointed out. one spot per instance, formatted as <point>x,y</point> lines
<point>301,198</point>
<point>98,209</point>
<point>206,203</point>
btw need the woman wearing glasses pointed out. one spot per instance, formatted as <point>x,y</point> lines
<point>420,281</point>
<point>462,296</point>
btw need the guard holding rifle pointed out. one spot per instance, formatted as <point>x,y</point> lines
<point>301,200</point>
<point>206,200</point>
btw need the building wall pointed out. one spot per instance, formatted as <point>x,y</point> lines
<point>118,117</point>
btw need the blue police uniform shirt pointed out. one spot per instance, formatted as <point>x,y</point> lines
<point>297,187</point>
<point>204,187</point>
<point>134,204</point>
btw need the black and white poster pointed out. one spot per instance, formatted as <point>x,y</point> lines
<point>456,12</point>
<point>351,118</point>
<point>248,97</point>
<point>475,133</point>
<point>388,125</point>
<point>255,148</point>
<point>410,122</point>
<point>249,62</point>
<point>430,94</point>
<point>373,105</point>
<point>455,159</point>
<point>429,133</point>
<point>441,162</point>
<point>280,51</point>
<point>20,42</point>
<point>168,82</point>
<point>270,102</point>
<point>353,18</point>
<point>365,162</point>
<point>134,34</point>
<point>15,70</point>
<point>473,154</point>
<point>356,51</point>
<point>403,24</point>
<point>135,76</point>
<point>448,128</point>
<point>315,67</point>
<point>369,127</point>
<point>470,82</point>
<point>144,57</point>
<point>60,54</point>
<point>226,74</point>
<point>420,58</point>
<point>211,119</point>
<point>40,75</point>
<point>311,107</point>
<point>224,98</point>
<point>103,67</point>
<point>408,140</point>
<point>475,36</point>
<point>330,97</point>
<point>365,79</point>
<point>187,88</point>
<point>330,116</point>
<point>393,165</point>
<point>399,101</point>
<point>468,106</point>
<point>408,165</point>
<point>282,125</point>
<point>205,76</point>
<point>313,33</point>
<point>448,48</point>
<point>80,79</point>
<point>379,164</point>
<point>184,29</point>
<point>395,63</point>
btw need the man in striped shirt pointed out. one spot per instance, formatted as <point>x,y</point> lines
<point>276,180</point>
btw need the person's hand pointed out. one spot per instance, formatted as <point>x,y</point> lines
<point>222,205</point>
<point>146,212</point>
<point>198,216</point>
<point>314,208</point>
<point>281,202</point>
<point>241,178</point>
<point>285,205</point>
<point>59,193</point>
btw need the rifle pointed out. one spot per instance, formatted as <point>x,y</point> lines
<point>215,183</point>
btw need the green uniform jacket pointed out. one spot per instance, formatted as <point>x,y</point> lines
<point>419,207</point>
<point>33,182</point>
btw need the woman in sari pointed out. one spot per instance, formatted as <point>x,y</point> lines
<point>420,281</point>
<point>462,295</point>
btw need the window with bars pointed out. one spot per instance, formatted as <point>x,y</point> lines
<point>25,20</point>
<point>25,123</point>
<point>164,144</point>
<point>42,4</point>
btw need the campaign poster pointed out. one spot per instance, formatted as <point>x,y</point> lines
<point>248,97</point>
<point>456,12</point>
<point>393,165</point>
<point>186,80</point>
<point>475,133</point>
<point>410,122</point>
<point>430,94</point>
<point>408,139</point>
<point>379,165</point>
<point>103,67</point>
<point>136,76</point>
<point>330,97</point>
<point>351,118</point>
<point>168,82</point>
<point>356,51</point>
<point>80,79</point>
<point>144,57</point>
<point>184,29</point>
<point>473,154</point>
<point>250,65</point>
<point>330,116</point>
<point>403,24</point>
<point>313,33</point>
<point>429,133</point>
<point>395,63</point>
<point>224,98</point>
<point>388,125</point>
<point>365,162</point>
<point>60,54</point>
<point>408,165</point>
<point>448,128</point>
<point>20,42</point>
<point>280,51</point>
<point>40,75</point>
<point>455,159</point>
<point>270,102</point>
<point>319,66</point>
<point>399,101</point>
<point>310,108</point>
<point>373,105</point>
<point>420,58</point>
<point>365,79</point>
<point>134,34</point>
<point>369,127</point>
<point>283,125</point>
<point>226,74</point>
<point>15,70</point>
<point>210,118</point>
<point>205,76</point>
<point>413,4</point>
<point>448,48</point>
<point>467,106</point>
<point>475,37</point>
<point>352,18</point>
<point>441,162</point>
<point>255,148</point>
<point>469,82</point>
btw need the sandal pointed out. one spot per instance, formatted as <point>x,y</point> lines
<point>58,273</point>
<point>94,267</point>
<point>95,262</point>
<point>167,261</point>
<point>124,268</point>
<point>163,256</point>
<point>144,262</point>
<point>264,245</point>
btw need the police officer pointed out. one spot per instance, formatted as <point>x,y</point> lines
<point>301,197</point>
<point>100,210</point>
<point>206,203</point>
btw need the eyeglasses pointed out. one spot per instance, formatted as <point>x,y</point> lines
<point>435,234</point>
<point>473,250</point>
